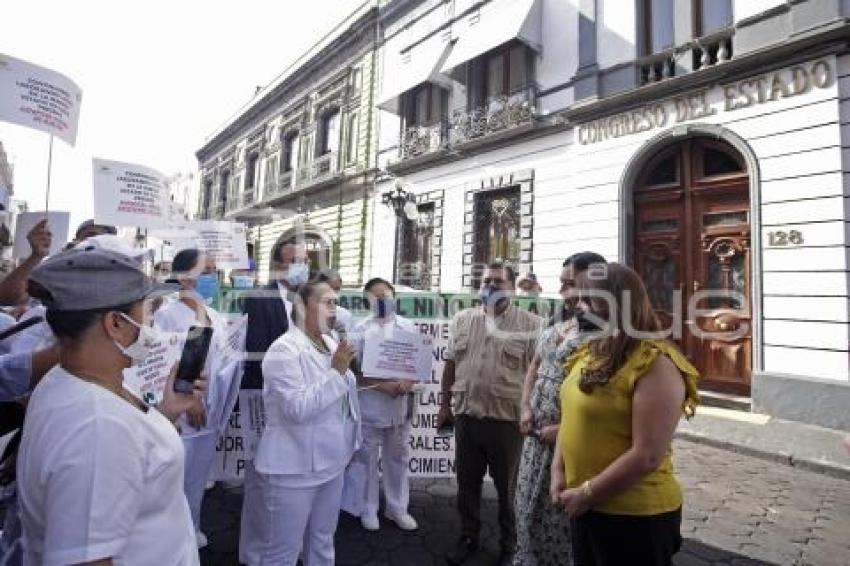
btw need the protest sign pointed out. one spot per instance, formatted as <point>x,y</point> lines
<point>392,353</point>
<point>126,194</point>
<point>25,221</point>
<point>39,98</point>
<point>225,242</point>
<point>240,438</point>
<point>147,380</point>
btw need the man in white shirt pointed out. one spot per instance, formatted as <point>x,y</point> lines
<point>386,410</point>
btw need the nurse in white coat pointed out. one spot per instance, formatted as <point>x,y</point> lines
<point>196,275</point>
<point>312,429</point>
<point>386,408</point>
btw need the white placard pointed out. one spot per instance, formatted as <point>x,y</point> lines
<point>393,353</point>
<point>57,221</point>
<point>126,194</point>
<point>39,98</point>
<point>226,242</point>
<point>148,380</point>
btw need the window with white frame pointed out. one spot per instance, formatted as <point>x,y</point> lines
<point>251,169</point>
<point>425,105</point>
<point>658,25</point>
<point>328,133</point>
<point>290,151</point>
<point>224,187</point>
<point>505,72</point>
<point>711,16</point>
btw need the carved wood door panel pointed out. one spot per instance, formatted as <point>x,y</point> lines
<point>692,249</point>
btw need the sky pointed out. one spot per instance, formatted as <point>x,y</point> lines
<point>158,77</point>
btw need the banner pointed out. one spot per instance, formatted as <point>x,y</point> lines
<point>126,194</point>
<point>431,455</point>
<point>25,221</point>
<point>39,98</point>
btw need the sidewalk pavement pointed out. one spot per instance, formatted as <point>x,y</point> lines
<point>796,444</point>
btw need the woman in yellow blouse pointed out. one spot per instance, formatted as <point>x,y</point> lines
<point>624,392</point>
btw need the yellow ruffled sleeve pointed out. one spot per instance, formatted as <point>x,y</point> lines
<point>645,355</point>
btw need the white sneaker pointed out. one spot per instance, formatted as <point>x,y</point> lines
<point>405,521</point>
<point>370,522</point>
<point>201,539</point>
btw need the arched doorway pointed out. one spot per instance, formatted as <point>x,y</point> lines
<point>691,244</point>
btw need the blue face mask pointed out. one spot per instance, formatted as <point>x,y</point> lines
<point>297,274</point>
<point>207,285</point>
<point>487,294</point>
<point>384,307</point>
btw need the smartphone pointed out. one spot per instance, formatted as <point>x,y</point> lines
<point>192,360</point>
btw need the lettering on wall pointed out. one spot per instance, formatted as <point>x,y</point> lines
<point>785,83</point>
<point>783,238</point>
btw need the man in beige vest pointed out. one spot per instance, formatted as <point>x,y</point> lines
<point>489,349</point>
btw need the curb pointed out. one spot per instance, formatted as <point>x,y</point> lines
<point>827,468</point>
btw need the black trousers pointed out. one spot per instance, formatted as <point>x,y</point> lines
<point>482,445</point>
<point>600,539</point>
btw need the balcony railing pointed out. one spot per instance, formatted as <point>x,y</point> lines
<point>248,197</point>
<point>322,168</point>
<point>500,114</point>
<point>713,50</point>
<point>422,140</point>
<point>706,52</point>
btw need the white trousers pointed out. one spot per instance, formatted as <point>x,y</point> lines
<point>296,517</point>
<point>251,525</point>
<point>362,477</point>
<point>200,453</point>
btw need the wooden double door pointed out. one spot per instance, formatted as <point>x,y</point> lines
<point>692,248</point>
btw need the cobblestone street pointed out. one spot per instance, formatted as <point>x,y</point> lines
<point>738,510</point>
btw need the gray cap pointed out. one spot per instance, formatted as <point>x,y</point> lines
<point>92,278</point>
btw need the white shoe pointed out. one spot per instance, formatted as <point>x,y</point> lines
<point>404,521</point>
<point>201,539</point>
<point>370,522</point>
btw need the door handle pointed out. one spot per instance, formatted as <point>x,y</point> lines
<point>696,285</point>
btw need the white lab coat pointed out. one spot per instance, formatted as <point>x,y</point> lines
<point>312,428</point>
<point>386,431</point>
<point>199,444</point>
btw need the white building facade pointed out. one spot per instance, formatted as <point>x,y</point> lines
<point>702,142</point>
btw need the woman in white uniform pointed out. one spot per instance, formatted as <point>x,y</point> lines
<point>386,411</point>
<point>100,473</point>
<point>311,431</point>
<point>198,280</point>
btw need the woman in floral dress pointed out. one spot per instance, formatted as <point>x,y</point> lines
<point>543,532</point>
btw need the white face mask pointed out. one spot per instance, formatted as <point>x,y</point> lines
<point>139,350</point>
